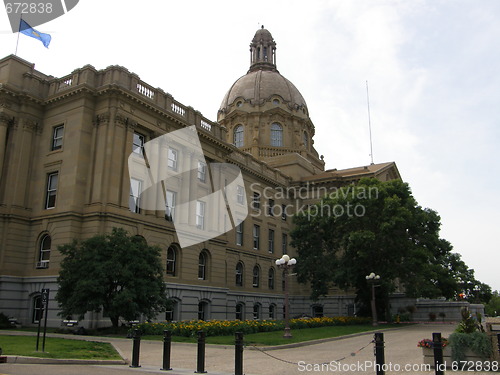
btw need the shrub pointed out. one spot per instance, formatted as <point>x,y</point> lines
<point>230,327</point>
<point>478,342</point>
<point>4,321</point>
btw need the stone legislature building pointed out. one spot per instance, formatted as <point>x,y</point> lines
<point>65,144</point>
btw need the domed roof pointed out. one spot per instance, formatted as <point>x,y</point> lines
<point>260,85</point>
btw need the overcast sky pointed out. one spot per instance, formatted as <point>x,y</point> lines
<point>433,70</point>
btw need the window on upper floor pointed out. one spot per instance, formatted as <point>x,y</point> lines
<point>256,237</point>
<point>171,261</point>
<point>51,192</point>
<point>170,205</point>
<point>202,171</point>
<point>138,144</point>
<point>276,135</point>
<point>44,252</point>
<point>135,195</point>
<point>57,137</point>
<point>172,161</point>
<point>256,276</point>
<point>238,136</point>
<point>239,274</point>
<point>239,234</point>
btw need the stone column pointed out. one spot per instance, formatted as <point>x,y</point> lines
<point>4,123</point>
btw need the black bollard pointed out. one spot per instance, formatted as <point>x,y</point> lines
<point>136,348</point>
<point>498,342</point>
<point>438,353</point>
<point>379,353</point>
<point>200,367</point>
<point>238,353</point>
<point>167,345</point>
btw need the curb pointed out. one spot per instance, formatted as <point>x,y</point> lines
<point>55,361</point>
<point>319,341</point>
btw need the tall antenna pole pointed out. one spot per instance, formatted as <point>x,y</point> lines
<point>369,122</point>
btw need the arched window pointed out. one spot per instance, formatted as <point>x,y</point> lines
<point>270,279</point>
<point>202,265</point>
<point>306,141</point>
<point>171,261</point>
<point>37,308</point>
<point>240,311</point>
<point>256,276</point>
<point>172,310</point>
<point>203,313</point>
<point>256,311</point>
<point>238,136</point>
<point>272,311</point>
<point>239,274</point>
<point>44,252</point>
<point>276,135</point>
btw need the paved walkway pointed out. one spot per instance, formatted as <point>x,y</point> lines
<point>402,357</point>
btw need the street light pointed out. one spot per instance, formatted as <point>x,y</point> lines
<point>373,280</point>
<point>286,263</point>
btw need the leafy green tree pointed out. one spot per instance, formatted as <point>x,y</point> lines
<point>115,273</point>
<point>375,227</point>
<point>493,306</point>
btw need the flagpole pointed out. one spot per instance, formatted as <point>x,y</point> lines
<point>18,32</point>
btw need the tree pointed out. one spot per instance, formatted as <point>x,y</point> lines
<point>115,273</point>
<point>375,227</point>
<point>493,306</point>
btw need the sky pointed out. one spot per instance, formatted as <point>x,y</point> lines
<point>432,67</point>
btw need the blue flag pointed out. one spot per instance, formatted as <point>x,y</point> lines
<point>28,30</point>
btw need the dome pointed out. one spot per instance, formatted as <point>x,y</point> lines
<point>259,86</point>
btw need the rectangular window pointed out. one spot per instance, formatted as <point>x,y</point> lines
<point>239,234</point>
<point>202,171</point>
<point>57,137</point>
<point>135,193</point>
<point>200,215</point>
<point>138,144</point>
<point>256,201</point>
<point>170,205</point>
<point>256,236</point>
<point>172,158</point>
<point>50,199</point>
<point>284,243</point>
<point>271,240</point>
<point>271,207</point>
<point>283,212</point>
<point>240,191</point>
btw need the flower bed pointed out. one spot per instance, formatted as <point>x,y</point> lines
<point>230,327</point>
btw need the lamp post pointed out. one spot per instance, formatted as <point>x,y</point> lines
<point>286,264</point>
<point>372,280</point>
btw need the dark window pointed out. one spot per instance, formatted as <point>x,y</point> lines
<point>256,276</point>
<point>271,207</point>
<point>171,260</point>
<point>51,193</point>
<point>239,234</point>
<point>138,144</point>
<point>270,278</point>
<point>283,212</point>
<point>256,201</point>
<point>284,243</point>
<point>256,311</point>
<point>135,193</point>
<point>37,309</point>
<point>256,237</point>
<point>202,266</point>
<point>272,311</point>
<point>44,254</point>
<point>238,136</point>
<point>271,240</point>
<point>240,311</point>
<point>203,310</point>
<point>57,137</point>
<point>239,274</point>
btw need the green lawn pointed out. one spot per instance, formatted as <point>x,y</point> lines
<point>57,348</point>
<point>276,337</point>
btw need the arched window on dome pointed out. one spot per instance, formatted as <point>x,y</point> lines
<point>238,136</point>
<point>276,135</point>
<point>306,141</point>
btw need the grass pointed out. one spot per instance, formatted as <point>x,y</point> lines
<point>57,348</point>
<point>276,337</point>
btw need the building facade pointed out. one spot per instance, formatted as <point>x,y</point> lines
<point>65,145</point>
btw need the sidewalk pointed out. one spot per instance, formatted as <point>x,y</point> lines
<point>400,350</point>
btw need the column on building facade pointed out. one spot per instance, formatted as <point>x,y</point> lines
<point>4,124</point>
